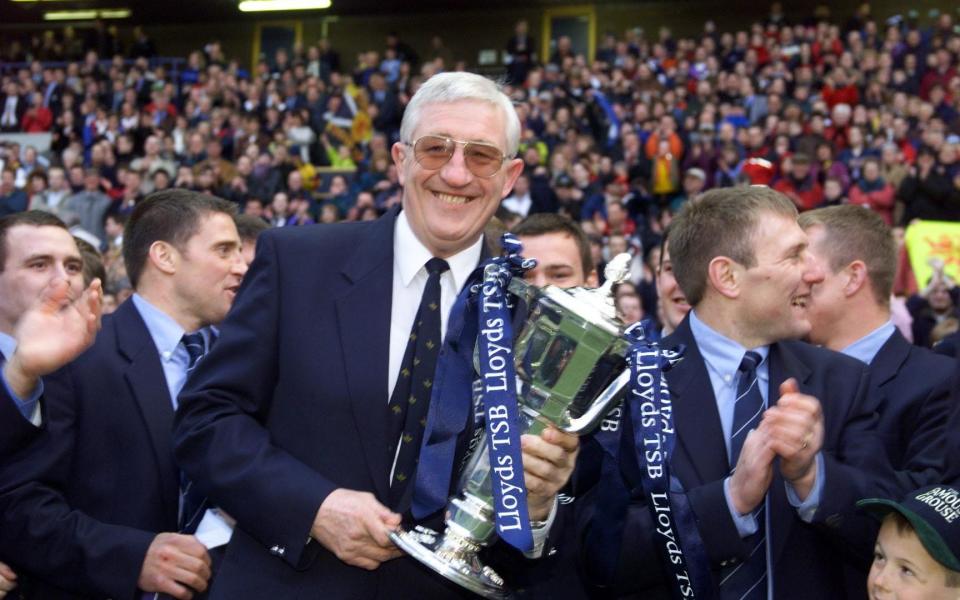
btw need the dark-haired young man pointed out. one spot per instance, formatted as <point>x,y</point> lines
<point>92,503</point>
<point>561,248</point>
<point>45,321</point>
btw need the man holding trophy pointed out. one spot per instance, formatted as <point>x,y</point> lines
<point>305,422</point>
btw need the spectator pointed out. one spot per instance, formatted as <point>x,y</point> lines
<point>87,209</point>
<point>873,192</point>
<point>926,192</point>
<point>12,200</point>
<point>799,184</point>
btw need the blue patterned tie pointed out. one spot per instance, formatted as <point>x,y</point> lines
<point>191,501</point>
<point>747,580</point>
<point>411,394</point>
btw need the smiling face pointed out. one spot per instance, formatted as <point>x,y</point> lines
<point>448,207</point>
<point>35,257</point>
<point>902,569</point>
<point>673,302</point>
<point>827,306</point>
<point>776,290</point>
<point>209,270</point>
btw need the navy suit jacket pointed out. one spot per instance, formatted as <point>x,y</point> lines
<point>952,453</point>
<point>911,387</point>
<point>803,554</point>
<point>291,404</point>
<point>15,431</point>
<point>83,502</point>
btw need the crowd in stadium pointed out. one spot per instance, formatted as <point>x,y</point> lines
<point>165,169</point>
<point>863,112</point>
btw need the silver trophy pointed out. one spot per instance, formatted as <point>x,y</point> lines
<point>570,358</point>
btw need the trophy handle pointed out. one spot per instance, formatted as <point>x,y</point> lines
<point>600,407</point>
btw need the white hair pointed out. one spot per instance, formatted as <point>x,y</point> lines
<point>454,86</point>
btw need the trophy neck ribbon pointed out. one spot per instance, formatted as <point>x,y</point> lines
<point>501,413</point>
<point>650,412</point>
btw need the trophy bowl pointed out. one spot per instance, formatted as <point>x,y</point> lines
<point>571,367</point>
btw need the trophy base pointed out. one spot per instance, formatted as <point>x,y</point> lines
<point>452,556</point>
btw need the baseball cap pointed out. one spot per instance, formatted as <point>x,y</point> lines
<point>934,513</point>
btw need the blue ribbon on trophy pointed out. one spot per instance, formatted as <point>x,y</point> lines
<point>481,317</point>
<point>649,409</point>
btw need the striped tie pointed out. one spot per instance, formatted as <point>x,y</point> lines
<point>191,501</point>
<point>747,580</point>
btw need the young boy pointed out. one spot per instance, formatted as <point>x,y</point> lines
<point>917,550</point>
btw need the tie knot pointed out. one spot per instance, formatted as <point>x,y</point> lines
<point>751,360</point>
<point>195,346</point>
<point>437,266</point>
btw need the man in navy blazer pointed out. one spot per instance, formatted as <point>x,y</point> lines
<point>285,423</point>
<point>90,508</point>
<point>952,450</point>
<point>46,318</point>
<point>45,321</point>
<point>849,312</point>
<point>742,262</point>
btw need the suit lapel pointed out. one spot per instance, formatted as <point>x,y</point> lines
<point>699,432</point>
<point>783,365</point>
<point>889,359</point>
<point>148,387</point>
<point>363,314</point>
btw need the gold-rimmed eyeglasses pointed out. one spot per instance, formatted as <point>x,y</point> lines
<point>434,151</point>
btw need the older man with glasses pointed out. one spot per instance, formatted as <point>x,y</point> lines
<point>305,421</point>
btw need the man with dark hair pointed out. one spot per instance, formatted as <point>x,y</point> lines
<point>773,435</point>
<point>849,312</point>
<point>249,227</point>
<point>91,504</point>
<point>45,321</point>
<point>561,248</point>
<point>92,261</point>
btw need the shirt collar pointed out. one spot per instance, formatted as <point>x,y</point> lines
<point>410,255</point>
<point>7,345</point>
<point>719,352</point>
<point>865,349</point>
<point>166,332</point>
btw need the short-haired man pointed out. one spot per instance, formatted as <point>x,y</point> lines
<point>249,227</point>
<point>288,423</point>
<point>849,312</point>
<point>561,248</point>
<point>45,320</point>
<point>563,256</point>
<point>94,501</point>
<point>772,435</point>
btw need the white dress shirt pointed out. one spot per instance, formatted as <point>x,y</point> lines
<point>409,280</point>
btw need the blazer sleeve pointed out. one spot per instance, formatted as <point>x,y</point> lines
<point>221,439</point>
<point>15,431</point>
<point>41,533</point>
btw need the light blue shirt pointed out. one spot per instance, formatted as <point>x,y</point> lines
<point>28,407</point>
<point>166,335</point>
<point>722,357</point>
<point>865,349</point>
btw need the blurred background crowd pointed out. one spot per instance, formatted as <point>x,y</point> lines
<point>863,109</point>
